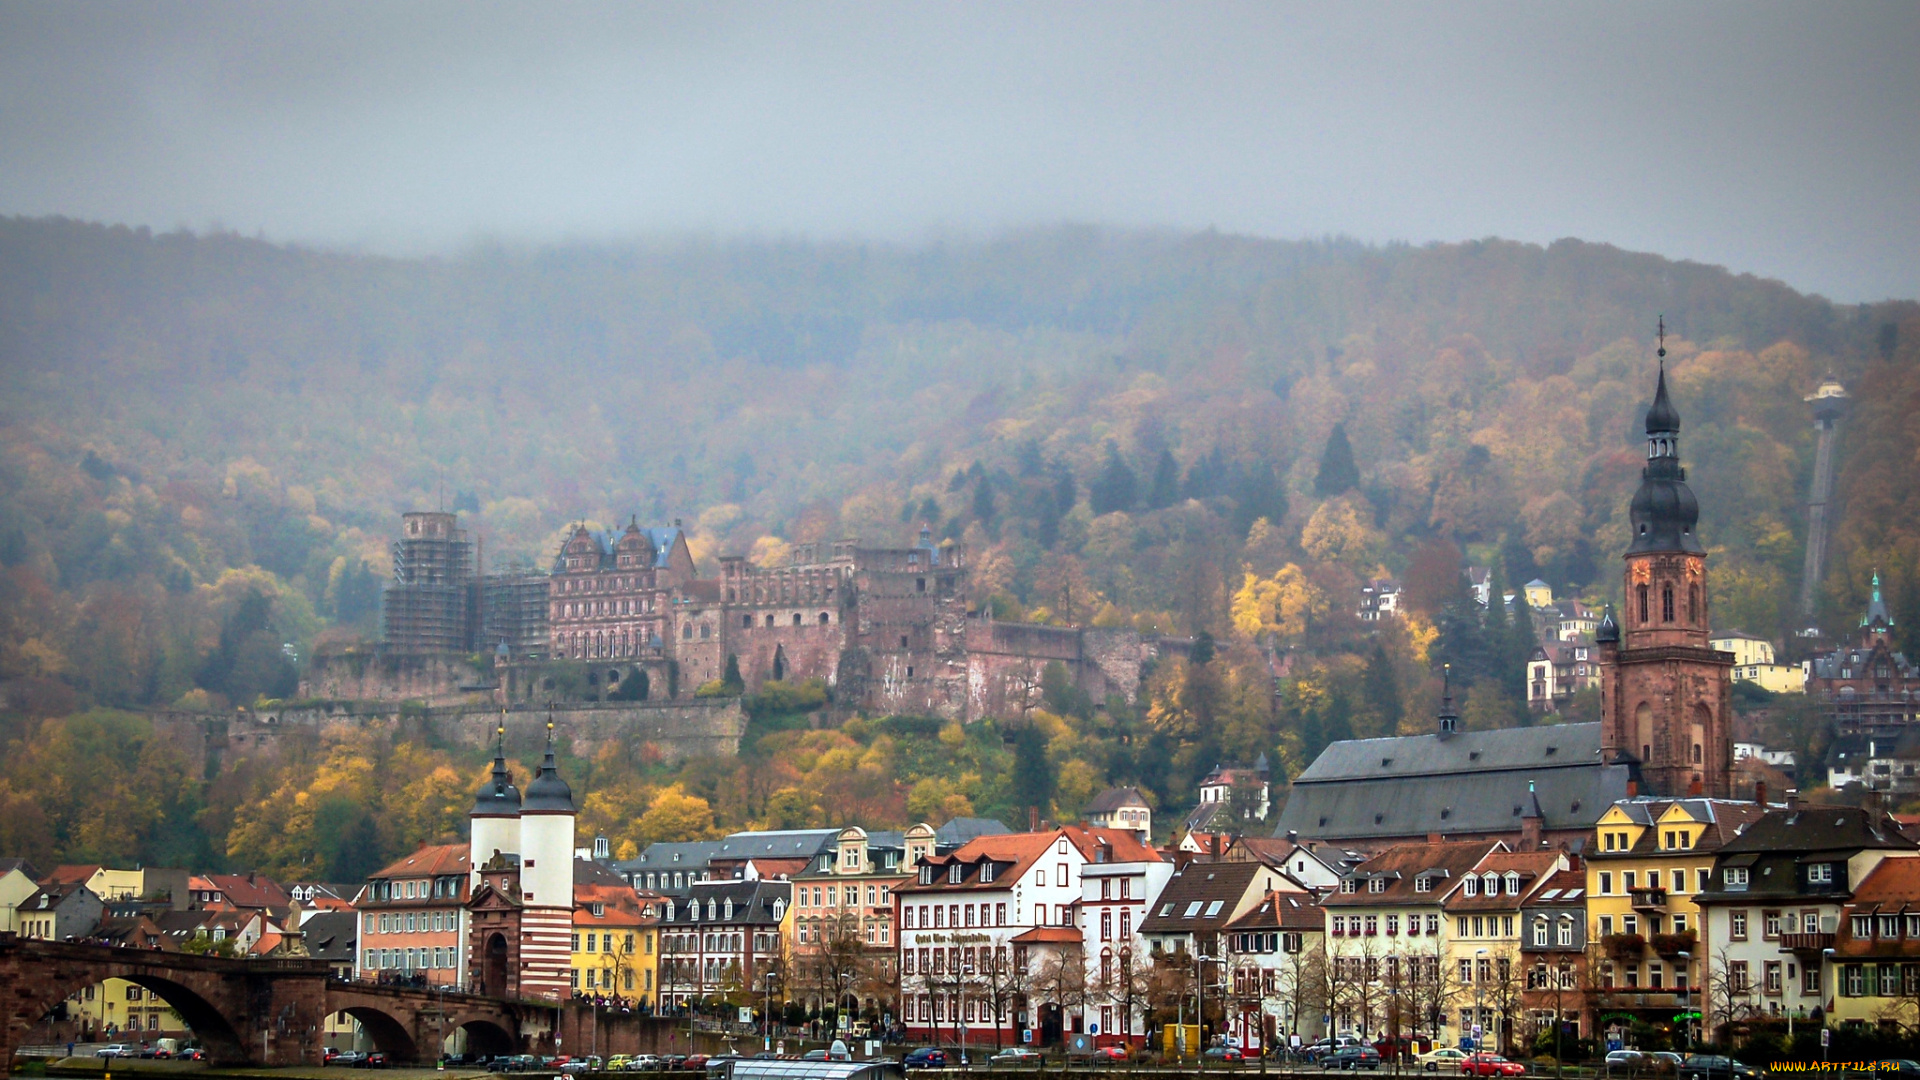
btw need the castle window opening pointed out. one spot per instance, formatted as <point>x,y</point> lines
<point>1642,596</point>
<point>686,631</point>
<point>705,631</point>
<point>796,618</point>
<point>746,622</point>
<point>823,619</point>
<point>1666,603</point>
<point>919,584</point>
<point>903,641</point>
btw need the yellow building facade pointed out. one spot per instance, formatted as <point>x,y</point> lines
<point>1648,859</point>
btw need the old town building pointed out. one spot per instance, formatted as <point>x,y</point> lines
<point>1868,687</point>
<point>723,938</point>
<point>1772,913</point>
<point>520,909</point>
<point>412,913</point>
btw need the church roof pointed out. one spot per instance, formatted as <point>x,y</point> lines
<point>1662,417</point>
<point>1467,783</point>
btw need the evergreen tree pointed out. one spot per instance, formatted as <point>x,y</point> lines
<point>730,678</point>
<point>1065,493</point>
<point>1166,482</point>
<point>1257,495</point>
<point>929,510</point>
<point>1463,639</point>
<point>983,502</point>
<point>1032,776</point>
<point>1380,692</point>
<point>1338,472</point>
<point>1046,523</point>
<point>1116,488</point>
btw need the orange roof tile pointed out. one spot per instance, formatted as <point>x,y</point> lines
<point>429,861</point>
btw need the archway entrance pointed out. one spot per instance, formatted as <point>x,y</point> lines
<point>204,1023</point>
<point>493,967</point>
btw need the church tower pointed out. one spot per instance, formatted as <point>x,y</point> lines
<point>1665,693</point>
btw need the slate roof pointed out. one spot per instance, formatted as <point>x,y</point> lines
<point>688,855</point>
<point>1774,848</point>
<point>1200,899</point>
<point>753,904</point>
<point>1114,799</point>
<point>331,935</point>
<point>21,865</point>
<point>776,844</point>
<point>963,830</point>
<point>1471,782</point>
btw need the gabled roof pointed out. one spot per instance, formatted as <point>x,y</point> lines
<point>1048,935</point>
<point>1568,888</point>
<point>51,896</point>
<point>1533,867</point>
<point>681,855</point>
<point>754,903</point>
<point>1809,829</point>
<point>431,861</point>
<point>1400,867</point>
<point>1116,798</point>
<point>1282,911</point>
<point>586,872</point>
<point>22,865</point>
<point>331,935</point>
<point>776,844</point>
<point>1724,819</point>
<point>1473,782</point>
<point>960,831</point>
<point>249,890</point>
<point>1894,885</point>
<point>72,874</point>
<point>1011,854</point>
<point>1201,898</point>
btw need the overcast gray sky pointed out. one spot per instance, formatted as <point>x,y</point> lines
<point>1778,139</point>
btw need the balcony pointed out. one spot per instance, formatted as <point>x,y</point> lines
<point>1624,946</point>
<point>1649,899</point>
<point>1674,944</point>
<point>1806,942</point>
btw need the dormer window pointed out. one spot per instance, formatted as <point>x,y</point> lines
<point>986,873</point>
<point>926,875</point>
<point>599,910</point>
<point>729,908</point>
<point>954,870</point>
<point>779,910</point>
<point>1377,885</point>
<point>1470,886</point>
<point>1423,883</point>
<point>1492,882</point>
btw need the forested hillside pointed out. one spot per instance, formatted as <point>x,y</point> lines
<point>207,439</point>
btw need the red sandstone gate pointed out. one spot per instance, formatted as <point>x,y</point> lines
<point>265,1012</point>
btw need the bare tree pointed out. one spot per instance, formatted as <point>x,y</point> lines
<point>1304,989</point>
<point>1433,986</point>
<point>1505,994</point>
<point>1060,978</point>
<point>1730,992</point>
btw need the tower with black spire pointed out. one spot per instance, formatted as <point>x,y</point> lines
<point>1664,691</point>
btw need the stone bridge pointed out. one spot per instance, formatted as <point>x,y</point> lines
<point>256,1012</point>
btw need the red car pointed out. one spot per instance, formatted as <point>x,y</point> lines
<point>1110,1053</point>
<point>1488,1064</point>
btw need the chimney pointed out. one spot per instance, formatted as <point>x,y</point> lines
<point>1435,838</point>
<point>1760,792</point>
<point>1529,833</point>
<point>1633,788</point>
<point>1033,819</point>
<point>1695,788</point>
<point>1293,836</point>
<point>1793,798</point>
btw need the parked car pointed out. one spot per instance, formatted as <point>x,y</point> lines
<point>374,1060</point>
<point>1352,1057</point>
<point>1233,1055</point>
<point>190,1053</point>
<point>1486,1063</point>
<point>927,1057</point>
<point>1441,1058</point>
<point>1111,1053</point>
<point>1015,1055</point>
<point>1715,1067</point>
<point>113,1050</point>
<point>695,1062</point>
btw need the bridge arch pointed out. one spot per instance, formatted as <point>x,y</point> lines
<point>207,1022</point>
<point>485,1036</point>
<point>389,1035</point>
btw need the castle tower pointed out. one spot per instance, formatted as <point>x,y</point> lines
<point>546,882</point>
<point>494,821</point>
<point>1664,691</point>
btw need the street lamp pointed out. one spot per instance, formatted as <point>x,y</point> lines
<point>766,1020</point>
<point>1479,990</point>
<point>1685,972</point>
<point>966,972</point>
<point>1200,962</point>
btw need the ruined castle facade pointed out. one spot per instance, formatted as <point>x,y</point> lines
<point>888,630</point>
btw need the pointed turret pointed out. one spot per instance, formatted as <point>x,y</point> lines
<point>1449,720</point>
<point>1608,632</point>
<point>1877,616</point>
<point>548,794</point>
<point>497,796</point>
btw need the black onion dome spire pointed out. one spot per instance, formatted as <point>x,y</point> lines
<point>548,793</point>
<point>1664,512</point>
<point>498,795</point>
<point>1663,418</point>
<point>1608,631</point>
